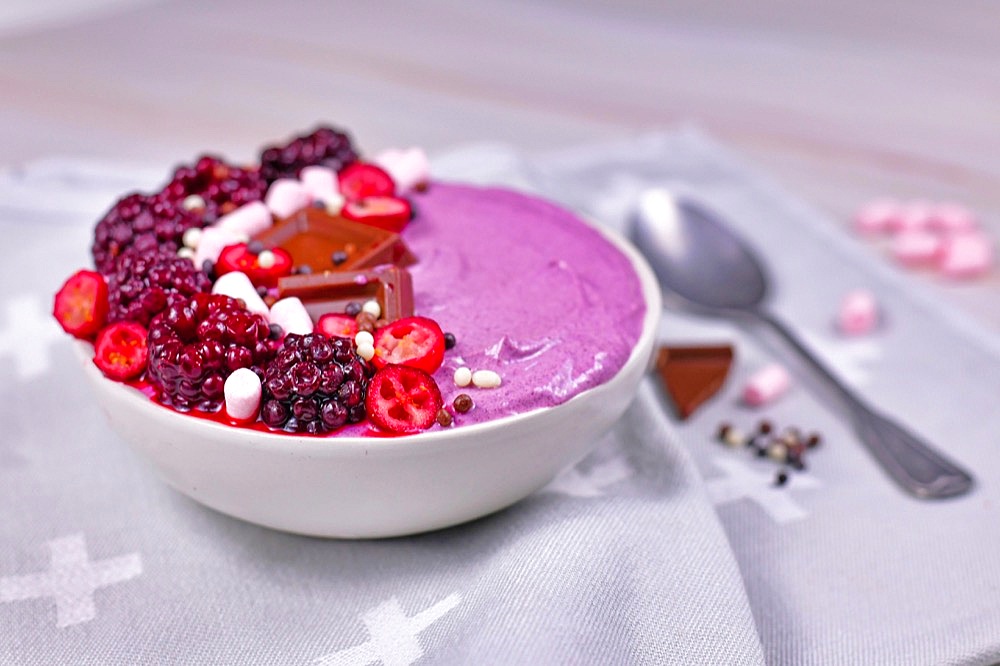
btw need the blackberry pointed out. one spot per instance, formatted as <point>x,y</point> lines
<point>222,187</point>
<point>315,384</point>
<point>146,283</point>
<point>325,147</point>
<point>140,222</point>
<point>195,344</point>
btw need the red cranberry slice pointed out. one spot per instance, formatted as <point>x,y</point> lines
<point>360,180</point>
<point>81,304</point>
<point>239,258</point>
<point>337,325</point>
<point>417,342</point>
<point>402,399</point>
<point>120,351</point>
<point>384,212</point>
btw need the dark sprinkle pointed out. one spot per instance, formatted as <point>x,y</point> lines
<point>275,331</point>
<point>781,478</point>
<point>443,418</point>
<point>209,267</point>
<point>319,203</point>
<point>463,403</point>
<point>304,270</point>
<point>449,340</point>
<point>255,247</point>
<point>262,291</point>
<point>765,427</point>
<point>338,257</point>
<point>352,309</point>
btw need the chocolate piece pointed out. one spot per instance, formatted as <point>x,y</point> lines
<point>692,375</point>
<point>313,237</point>
<point>332,291</point>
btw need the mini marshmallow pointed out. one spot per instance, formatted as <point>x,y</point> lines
<point>952,217</point>
<point>912,248</point>
<point>766,385</point>
<point>858,312</point>
<point>875,216</point>
<point>408,168</point>
<point>213,239</point>
<point>966,255</point>
<point>243,391</point>
<point>291,315</point>
<point>320,181</point>
<point>286,196</point>
<point>238,285</point>
<point>913,216</point>
<point>249,219</point>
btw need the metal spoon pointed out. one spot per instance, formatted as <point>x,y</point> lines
<point>696,256</point>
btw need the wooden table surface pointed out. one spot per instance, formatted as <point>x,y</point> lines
<point>840,102</point>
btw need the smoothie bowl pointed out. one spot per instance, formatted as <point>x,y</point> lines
<point>346,348</point>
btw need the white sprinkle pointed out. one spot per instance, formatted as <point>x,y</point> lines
<point>372,308</point>
<point>191,236</point>
<point>242,238</point>
<point>334,203</point>
<point>485,379</point>
<point>185,253</point>
<point>777,451</point>
<point>364,339</point>
<point>366,352</point>
<point>265,259</point>
<point>193,201</point>
<point>463,376</point>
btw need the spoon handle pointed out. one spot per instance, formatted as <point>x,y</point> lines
<point>908,459</point>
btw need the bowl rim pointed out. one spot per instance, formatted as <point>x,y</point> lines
<point>388,445</point>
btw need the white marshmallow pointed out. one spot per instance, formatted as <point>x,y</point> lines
<point>320,181</point>
<point>249,219</point>
<point>766,385</point>
<point>485,379</point>
<point>286,196</point>
<point>238,285</point>
<point>243,391</point>
<point>291,315</point>
<point>211,242</point>
<point>408,168</point>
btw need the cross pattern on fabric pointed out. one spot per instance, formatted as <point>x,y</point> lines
<point>593,483</point>
<point>71,580</point>
<point>742,482</point>
<point>851,356</point>
<point>27,335</point>
<point>394,638</point>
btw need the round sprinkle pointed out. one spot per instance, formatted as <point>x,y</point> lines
<point>334,203</point>
<point>765,427</point>
<point>444,418</point>
<point>305,269</point>
<point>275,331</point>
<point>781,478</point>
<point>372,308</point>
<point>777,451</point>
<point>191,237</point>
<point>193,201</point>
<point>814,440</point>
<point>463,376</point>
<point>366,352</point>
<point>364,338</point>
<point>266,259</point>
<point>485,379</point>
<point>352,309</point>
<point>723,428</point>
<point>262,291</point>
<point>209,267</point>
<point>338,257</point>
<point>185,253</point>
<point>255,247</point>
<point>242,238</point>
<point>734,438</point>
<point>463,403</point>
<point>449,340</point>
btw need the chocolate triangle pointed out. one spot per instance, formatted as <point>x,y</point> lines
<point>692,375</point>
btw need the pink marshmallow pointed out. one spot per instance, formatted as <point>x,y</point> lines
<point>916,247</point>
<point>286,196</point>
<point>321,182</point>
<point>913,216</point>
<point>966,255</point>
<point>291,315</point>
<point>238,285</point>
<point>211,242</point>
<point>875,216</point>
<point>858,313</point>
<point>766,385</point>
<point>408,168</point>
<point>249,219</point>
<point>242,391</point>
<point>951,217</point>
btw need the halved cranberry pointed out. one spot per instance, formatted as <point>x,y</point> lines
<point>337,325</point>
<point>402,399</point>
<point>120,351</point>
<point>384,212</point>
<point>81,304</point>
<point>360,180</point>
<point>417,342</point>
<point>239,258</point>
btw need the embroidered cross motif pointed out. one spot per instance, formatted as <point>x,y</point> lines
<point>742,482</point>
<point>27,336</point>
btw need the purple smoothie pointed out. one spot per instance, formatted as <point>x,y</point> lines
<point>529,291</point>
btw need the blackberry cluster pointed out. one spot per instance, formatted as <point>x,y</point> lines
<point>222,187</point>
<point>147,283</point>
<point>325,147</point>
<point>315,384</point>
<point>196,343</point>
<point>143,223</point>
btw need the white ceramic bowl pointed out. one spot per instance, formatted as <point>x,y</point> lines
<point>362,487</point>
